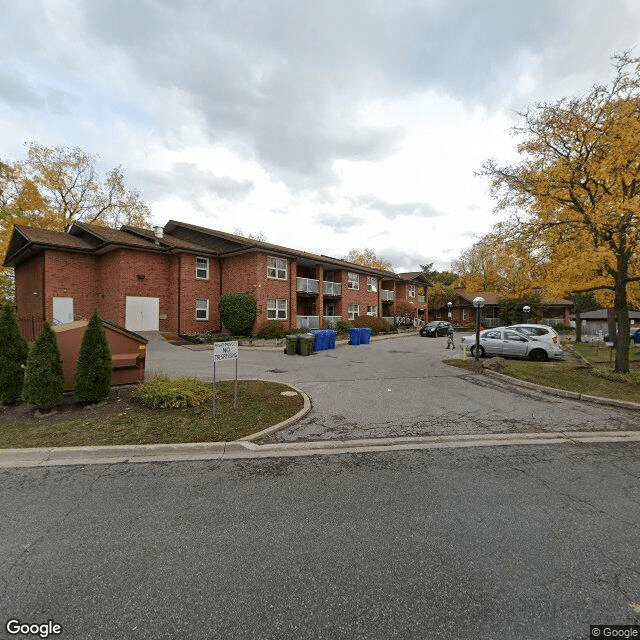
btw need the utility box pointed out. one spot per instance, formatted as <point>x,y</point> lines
<point>128,351</point>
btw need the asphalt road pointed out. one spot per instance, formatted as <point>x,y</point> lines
<point>492,543</point>
<point>397,387</point>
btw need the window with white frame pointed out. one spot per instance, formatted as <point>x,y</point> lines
<point>372,284</point>
<point>372,311</point>
<point>465,314</point>
<point>202,268</point>
<point>354,311</point>
<point>276,268</point>
<point>411,291</point>
<point>202,309</point>
<point>354,280</point>
<point>277,309</point>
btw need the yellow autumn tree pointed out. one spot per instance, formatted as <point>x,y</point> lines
<point>574,198</point>
<point>368,258</point>
<point>498,263</point>
<point>56,186</point>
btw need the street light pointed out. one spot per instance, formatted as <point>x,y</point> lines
<point>449,304</point>
<point>526,310</point>
<point>478,303</point>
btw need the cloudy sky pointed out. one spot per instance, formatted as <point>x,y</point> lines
<point>325,125</point>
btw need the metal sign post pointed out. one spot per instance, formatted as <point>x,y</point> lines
<point>225,351</point>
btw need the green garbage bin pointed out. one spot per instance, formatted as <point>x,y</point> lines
<point>306,344</point>
<point>292,345</point>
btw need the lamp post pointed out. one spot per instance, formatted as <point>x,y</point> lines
<point>526,310</point>
<point>478,303</point>
<point>449,305</point>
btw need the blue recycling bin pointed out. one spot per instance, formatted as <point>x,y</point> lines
<point>317,342</point>
<point>325,339</point>
<point>365,335</point>
<point>354,336</point>
<point>332,338</point>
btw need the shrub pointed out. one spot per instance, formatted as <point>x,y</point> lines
<point>93,369</point>
<point>162,392</point>
<point>342,326</point>
<point>272,329</point>
<point>376,324</point>
<point>13,356</point>
<point>238,312</point>
<point>43,380</point>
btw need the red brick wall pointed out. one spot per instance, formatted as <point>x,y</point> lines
<point>360,296</point>
<point>30,280</point>
<point>192,289</point>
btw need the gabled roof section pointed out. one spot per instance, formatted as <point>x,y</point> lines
<point>167,240</point>
<point>224,244</point>
<point>416,277</point>
<point>25,240</point>
<point>105,235</point>
<point>490,297</point>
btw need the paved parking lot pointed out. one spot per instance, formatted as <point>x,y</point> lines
<point>395,387</point>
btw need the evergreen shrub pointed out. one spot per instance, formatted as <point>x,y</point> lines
<point>272,329</point>
<point>238,312</point>
<point>94,366</point>
<point>43,379</point>
<point>14,350</point>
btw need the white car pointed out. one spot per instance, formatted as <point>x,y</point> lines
<point>540,331</point>
<point>511,344</point>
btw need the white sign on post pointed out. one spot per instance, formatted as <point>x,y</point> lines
<point>225,351</point>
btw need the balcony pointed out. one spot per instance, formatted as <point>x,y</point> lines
<point>327,320</point>
<point>308,322</point>
<point>386,295</point>
<point>332,288</point>
<point>306,285</point>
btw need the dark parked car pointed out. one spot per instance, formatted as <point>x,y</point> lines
<point>635,336</point>
<point>435,328</point>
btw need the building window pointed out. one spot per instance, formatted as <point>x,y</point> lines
<point>354,281</point>
<point>411,291</point>
<point>276,268</point>
<point>465,314</point>
<point>372,311</point>
<point>372,284</point>
<point>202,309</point>
<point>276,309</point>
<point>202,268</point>
<point>354,311</point>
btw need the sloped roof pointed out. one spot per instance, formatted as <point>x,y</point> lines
<point>490,297</point>
<point>601,314</point>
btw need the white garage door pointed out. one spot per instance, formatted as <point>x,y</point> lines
<point>142,314</point>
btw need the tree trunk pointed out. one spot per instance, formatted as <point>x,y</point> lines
<point>622,317</point>
<point>578,327</point>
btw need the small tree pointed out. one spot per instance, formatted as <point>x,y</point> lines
<point>93,369</point>
<point>43,380</point>
<point>13,356</point>
<point>238,312</point>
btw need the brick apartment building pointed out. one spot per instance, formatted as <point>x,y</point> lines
<point>171,279</point>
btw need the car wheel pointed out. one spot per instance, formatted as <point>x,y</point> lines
<point>538,355</point>
<point>480,351</point>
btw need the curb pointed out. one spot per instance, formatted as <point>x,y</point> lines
<point>70,456</point>
<point>563,393</point>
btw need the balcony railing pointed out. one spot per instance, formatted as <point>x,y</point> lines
<point>332,288</point>
<point>489,323</point>
<point>326,320</point>
<point>306,285</point>
<point>386,295</point>
<point>390,319</point>
<point>308,322</point>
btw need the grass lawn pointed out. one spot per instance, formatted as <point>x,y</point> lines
<point>571,376</point>
<point>121,420</point>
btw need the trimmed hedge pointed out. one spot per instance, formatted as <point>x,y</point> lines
<point>94,366</point>
<point>43,379</point>
<point>377,325</point>
<point>272,329</point>
<point>238,312</point>
<point>14,351</point>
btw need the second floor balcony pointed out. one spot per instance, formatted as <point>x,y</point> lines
<point>332,288</point>
<point>307,285</point>
<point>386,295</point>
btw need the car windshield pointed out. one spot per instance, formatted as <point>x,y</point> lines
<point>434,323</point>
